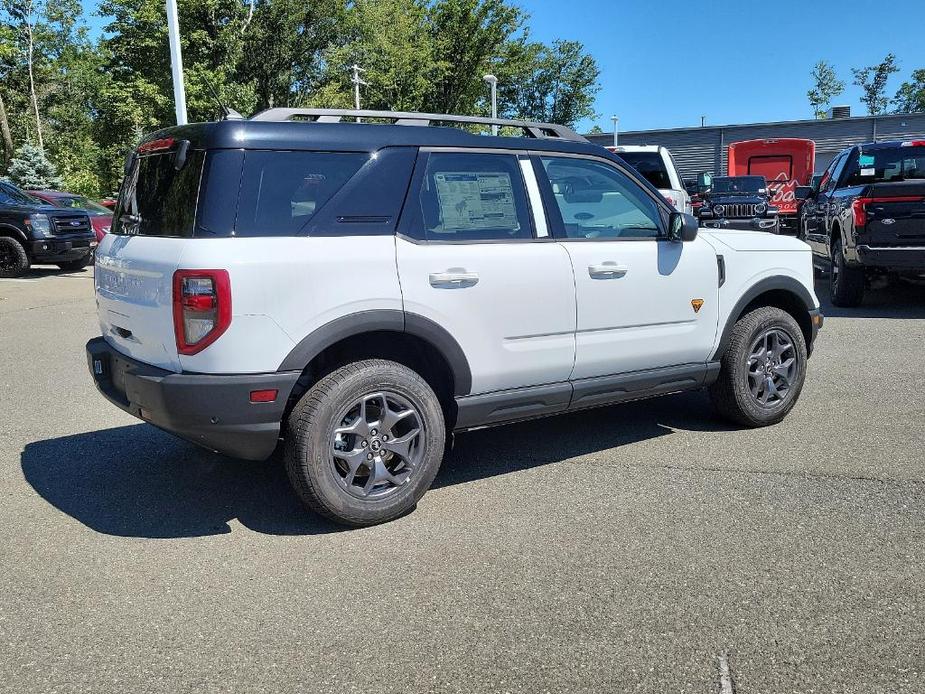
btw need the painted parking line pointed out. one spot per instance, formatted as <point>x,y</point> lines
<point>725,676</point>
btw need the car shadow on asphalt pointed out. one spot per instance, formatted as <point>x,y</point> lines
<point>898,300</point>
<point>136,481</point>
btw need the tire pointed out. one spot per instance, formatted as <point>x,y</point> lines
<point>75,265</point>
<point>344,489</point>
<point>741,374</point>
<point>14,261</point>
<point>846,285</point>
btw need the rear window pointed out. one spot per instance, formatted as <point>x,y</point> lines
<point>650,165</point>
<point>158,200</point>
<point>885,165</point>
<point>281,191</point>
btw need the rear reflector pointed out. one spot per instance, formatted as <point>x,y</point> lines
<point>268,395</point>
<point>201,308</point>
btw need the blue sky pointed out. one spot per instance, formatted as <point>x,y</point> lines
<point>666,63</point>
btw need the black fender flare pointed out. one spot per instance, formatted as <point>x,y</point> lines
<point>377,320</point>
<point>18,234</point>
<point>779,282</point>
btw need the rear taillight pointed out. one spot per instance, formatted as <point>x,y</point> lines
<point>201,308</point>
<point>859,205</point>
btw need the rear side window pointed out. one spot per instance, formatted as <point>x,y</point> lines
<point>474,197</point>
<point>158,200</point>
<point>281,191</point>
<point>650,165</point>
<point>885,165</point>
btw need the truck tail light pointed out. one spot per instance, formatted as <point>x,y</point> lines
<point>859,206</point>
<point>669,199</point>
<point>201,308</point>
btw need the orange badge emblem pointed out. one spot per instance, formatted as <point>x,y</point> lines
<point>696,304</point>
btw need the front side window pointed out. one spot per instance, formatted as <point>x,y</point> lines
<point>474,197</point>
<point>597,201</point>
<point>281,191</point>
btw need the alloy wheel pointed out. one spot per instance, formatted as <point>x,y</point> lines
<point>772,367</point>
<point>377,445</point>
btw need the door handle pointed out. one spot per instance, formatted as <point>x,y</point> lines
<point>607,270</point>
<point>453,279</point>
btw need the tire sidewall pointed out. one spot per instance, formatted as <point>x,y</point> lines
<point>23,257</point>
<point>315,440</point>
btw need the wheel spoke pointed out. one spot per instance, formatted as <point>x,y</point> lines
<point>392,418</point>
<point>402,445</point>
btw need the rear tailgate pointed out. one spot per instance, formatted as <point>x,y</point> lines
<point>134,290</point>
<point>895,214</point>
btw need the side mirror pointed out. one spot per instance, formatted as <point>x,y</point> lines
<point>704,183</point>
<point>682,227</point>
<point>803,192</point>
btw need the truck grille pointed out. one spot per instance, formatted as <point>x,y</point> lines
<point>70,224</point>
<point>739,209</point>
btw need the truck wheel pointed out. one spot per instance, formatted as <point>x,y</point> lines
<point>763,369</point>
<point>365,442</point>
<point>846,286</point>
<point>14,261</point>
<point>75,265</point>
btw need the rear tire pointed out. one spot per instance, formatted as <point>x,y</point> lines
<point>14,261</point>
<point>75,265</point>
<point>364,444</point>
<point>763,369</point>
<point>846,285</point>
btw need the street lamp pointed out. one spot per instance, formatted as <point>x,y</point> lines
<point>616,127</point>
<point>493,81</point>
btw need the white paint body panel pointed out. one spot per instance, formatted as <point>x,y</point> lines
<point>643,319</point>
<point>516,325</point>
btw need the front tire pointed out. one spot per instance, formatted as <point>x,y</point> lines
<point>14,261</point>
<point>846,286</point>
<point>364,444</point>
<point>763,369</point>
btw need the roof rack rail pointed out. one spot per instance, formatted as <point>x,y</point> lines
<point>335,115</point>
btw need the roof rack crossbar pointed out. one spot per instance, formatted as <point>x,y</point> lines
<point>330,115</point>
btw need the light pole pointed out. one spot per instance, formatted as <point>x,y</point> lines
<point>616,129</point>
<point>493,81</point>
<point>176,62</point>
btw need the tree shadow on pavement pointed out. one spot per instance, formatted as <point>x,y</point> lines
<point>136,481</point>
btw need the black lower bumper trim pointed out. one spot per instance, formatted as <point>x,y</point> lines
<point>890,258</point>
<point>212,411</point>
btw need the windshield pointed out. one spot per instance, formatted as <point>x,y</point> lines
<point>11,195</point>
<point>650,165</point>
<point>738,184</point>
<point>82,203</point>
<point>886,165</point>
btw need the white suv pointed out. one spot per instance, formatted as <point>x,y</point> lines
<point>358,292</point>
<point>657,166</point>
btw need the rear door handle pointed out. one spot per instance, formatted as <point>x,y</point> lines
<point>453,279</point>
<point>607,270</point>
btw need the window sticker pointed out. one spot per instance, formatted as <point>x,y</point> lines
<point>866,160</point>
<point>869,172</point>
<point>476,200</point>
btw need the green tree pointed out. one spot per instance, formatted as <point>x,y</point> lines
<point>555,84</point>
<point>31,170</point>
<point>826,86</point>
<point>872,80</point>
<point>910,97</point>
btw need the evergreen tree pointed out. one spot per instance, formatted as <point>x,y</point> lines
<point>31,170</point>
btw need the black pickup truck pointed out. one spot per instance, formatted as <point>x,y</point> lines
<point>865,218</point>
<point>33,232</point>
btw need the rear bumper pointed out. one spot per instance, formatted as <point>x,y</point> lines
<point>212,411</point>
<point>893,258</point>
<point>57,249</point>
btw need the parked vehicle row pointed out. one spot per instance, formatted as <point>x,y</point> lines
<point>865,218</point>
<point>32,231</point>
<point>371,288</point>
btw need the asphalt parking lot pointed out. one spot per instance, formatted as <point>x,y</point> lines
<point>623,549</point>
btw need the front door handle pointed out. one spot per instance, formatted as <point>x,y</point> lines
<point>454,278</point>
<point>607,270</point>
